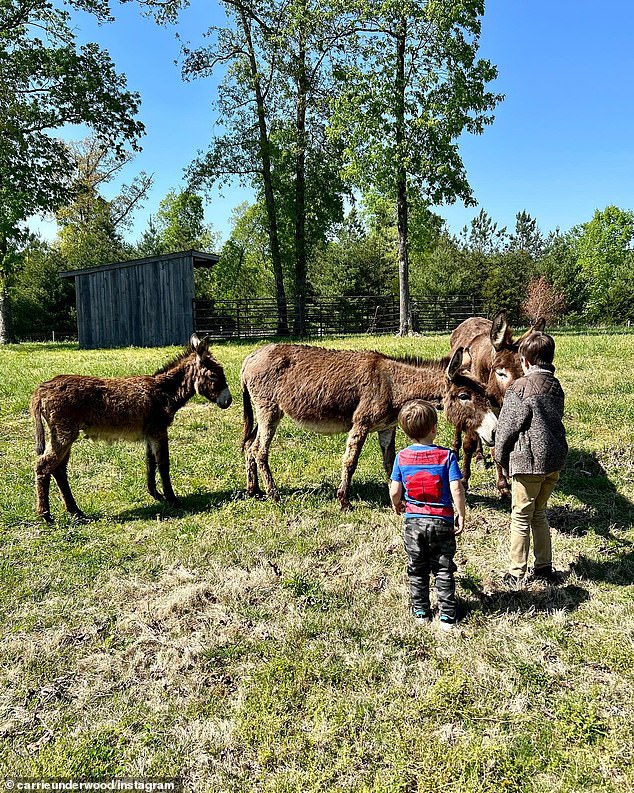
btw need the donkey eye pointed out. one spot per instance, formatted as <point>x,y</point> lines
<point>501,373</point>
<point>464,397</point>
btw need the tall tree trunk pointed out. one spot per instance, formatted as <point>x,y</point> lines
<point>5,334</point>
<point>402,206</point>
<point>269,196</point>
<point>300,191</point>
<point>5,320</point>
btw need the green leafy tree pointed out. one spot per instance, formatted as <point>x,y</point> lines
<point>274,107</point>
<point>527,236</point>
<point>604,251</point>
<point>47,82</point>
<point>244,269</point>
<point>355,262</point>
<point>91,228</point>
<point>180,224</point>
<point>42,302</point>
<point>414,87</point>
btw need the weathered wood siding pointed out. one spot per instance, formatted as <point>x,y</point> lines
<point>144,305</point>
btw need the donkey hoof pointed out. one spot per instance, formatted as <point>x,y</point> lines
<point>46,517</point>
<point>174,502</point>
<point>78,515</point>
<point>256,493</point>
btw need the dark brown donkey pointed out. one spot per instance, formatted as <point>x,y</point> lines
<point>358,392</point>
<point>119,408</point>
<point>490,355</point>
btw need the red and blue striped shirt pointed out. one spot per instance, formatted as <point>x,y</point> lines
<point>425,473</point>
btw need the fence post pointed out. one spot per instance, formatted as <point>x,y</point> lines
<point>238,319</point>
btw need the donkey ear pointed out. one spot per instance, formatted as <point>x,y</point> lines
<point>455,364</point>
<point>499,330</point>
<point>538,325</point>
<point>200,346</point>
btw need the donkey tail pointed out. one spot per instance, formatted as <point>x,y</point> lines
<point>36,413</point>
<point>249,430</point>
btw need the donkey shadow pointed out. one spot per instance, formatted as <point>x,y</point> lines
<point>190,504</point>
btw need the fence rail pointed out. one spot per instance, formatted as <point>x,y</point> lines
<point>257,318</point>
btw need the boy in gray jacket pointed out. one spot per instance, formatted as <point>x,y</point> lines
<point>530,445</point>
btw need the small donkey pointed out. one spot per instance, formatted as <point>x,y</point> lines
<point>119,408</point>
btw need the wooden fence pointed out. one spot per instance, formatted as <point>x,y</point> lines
<point>257,318</point>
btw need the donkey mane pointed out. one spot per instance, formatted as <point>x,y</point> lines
<point>419,361</point>
<point>178,358</point>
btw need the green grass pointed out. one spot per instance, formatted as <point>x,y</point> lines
<point>248,646</point>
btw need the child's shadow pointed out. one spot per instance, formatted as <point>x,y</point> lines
<point>604,512</point>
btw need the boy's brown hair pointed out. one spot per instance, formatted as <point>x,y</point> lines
<point>538,348</point>
<point>417,418</point>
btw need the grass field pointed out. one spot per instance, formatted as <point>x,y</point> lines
<point>247,646</point>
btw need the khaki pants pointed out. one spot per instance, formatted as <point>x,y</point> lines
<point>529,493</point>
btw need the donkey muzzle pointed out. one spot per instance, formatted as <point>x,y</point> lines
<point>224,399</point>
<point>486,430</point>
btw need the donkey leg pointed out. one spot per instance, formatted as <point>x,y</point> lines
<point>502,482</point>
<point>387,440</point>
<point>469,445</point>
<point>266,431</point>
<point>457,441</point>
<point>60,475</point>
<point>160,448</point>
<point>150,471</point>
<point>253,486</point>
<point>55,453</point>
<point>354,444</point>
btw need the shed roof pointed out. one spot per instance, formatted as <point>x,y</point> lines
<point>200,259</point>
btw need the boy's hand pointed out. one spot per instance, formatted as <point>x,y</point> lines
<point>458,524</point>
<point>399,508</point>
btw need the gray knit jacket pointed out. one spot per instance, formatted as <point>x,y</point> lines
<point>530,436</point>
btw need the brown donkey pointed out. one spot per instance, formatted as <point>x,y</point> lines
<point>119,408</point>
<point>490,355</point>
<point>358,392</point>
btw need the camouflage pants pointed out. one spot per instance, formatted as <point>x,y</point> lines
<point>431,545</point>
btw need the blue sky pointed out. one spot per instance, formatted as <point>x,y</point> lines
<point>561,145</point>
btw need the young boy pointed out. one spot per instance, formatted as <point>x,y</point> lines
<point>530,445</point>
<point>429,478</point>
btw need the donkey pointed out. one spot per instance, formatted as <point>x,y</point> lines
<point>358,392</point>
<point>490,355</point>
<point>119,408</point>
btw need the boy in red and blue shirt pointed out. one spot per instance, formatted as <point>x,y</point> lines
<point>426,486</point>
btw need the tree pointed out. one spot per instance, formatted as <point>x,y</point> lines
<point>355,262</point>
<point>527,236</point>
<point>42,302</point>
<point>91,228</point>
<point>180,224</point>
<point>47,82</point>
<point>414,88</point>
<point>243,269</point>
<point>273,104</point>
<point>604,250</point>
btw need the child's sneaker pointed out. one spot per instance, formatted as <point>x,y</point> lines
<point>422,616</point>
<point>447,623</point>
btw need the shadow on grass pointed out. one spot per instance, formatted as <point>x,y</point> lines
<point>192,504</point>
<point>529,600</point>
<point>604,510</point>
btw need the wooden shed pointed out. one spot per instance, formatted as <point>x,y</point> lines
<point>141,302</point>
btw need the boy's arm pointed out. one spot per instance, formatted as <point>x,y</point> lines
<point>510,423</point>
<point>458,496</point>
<point>396,496</point>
